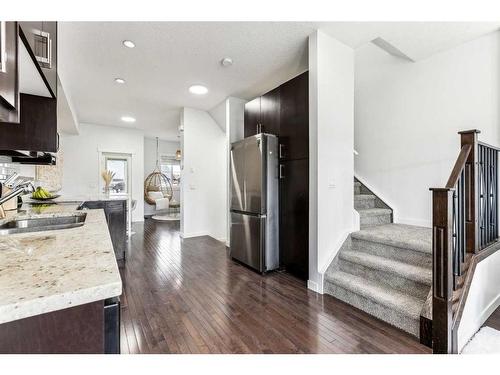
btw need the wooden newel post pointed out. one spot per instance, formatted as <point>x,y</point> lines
<point>470,137</point>
<point>442,273</point>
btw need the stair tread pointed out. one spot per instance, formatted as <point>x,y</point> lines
<point>360,197</point>
<point>412,272</point>
<point>386,296</point>
<point>374,211</point>
<point>398,235</point>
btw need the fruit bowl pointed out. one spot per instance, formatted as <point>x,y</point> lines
<point>45,198</point>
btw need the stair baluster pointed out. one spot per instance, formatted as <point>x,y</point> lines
<point>464,220</point>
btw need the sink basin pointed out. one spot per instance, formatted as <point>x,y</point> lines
<point>42,224</point>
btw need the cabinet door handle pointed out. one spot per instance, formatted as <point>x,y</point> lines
<point>282,151</point>
<point>282,171</point>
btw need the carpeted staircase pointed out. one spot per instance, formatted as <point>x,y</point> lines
<point>384,269</point>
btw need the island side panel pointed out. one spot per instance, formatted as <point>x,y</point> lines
<point>76,330</point>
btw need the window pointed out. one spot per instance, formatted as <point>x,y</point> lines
<point>171,168</point>
<point>119,166</point>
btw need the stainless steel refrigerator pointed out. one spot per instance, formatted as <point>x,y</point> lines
<point>254,202</point>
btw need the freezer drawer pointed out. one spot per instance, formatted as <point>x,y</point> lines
<point>247,239</point>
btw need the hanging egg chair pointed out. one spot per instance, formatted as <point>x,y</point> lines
<point>157,185</point>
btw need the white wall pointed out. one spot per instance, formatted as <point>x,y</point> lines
<point>166,148</point>
<point>219,115</point>
<point>483,298</point>
<point>331,138</point>
<point>236,119</point>
<point>229,115</point>
<point>204,184</point>
<point>407,116</point>
<point>81,172</point>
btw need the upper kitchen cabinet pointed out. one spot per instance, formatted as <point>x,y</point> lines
<point>35,78</point>
<point>42,39</point>
<point>294,118</point>
<point>270,112</point>
<point>252,117</point>
<point>9,86</point>
<point>262,114</point>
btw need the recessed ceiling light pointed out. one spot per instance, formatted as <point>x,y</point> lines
<point>128,43</point>
<point>119,80</point>
<point>128,119</point>
<point>226,61</point>
<point>198,90</point>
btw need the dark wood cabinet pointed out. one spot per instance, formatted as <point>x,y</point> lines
<point>42,39</point>
<point>262,114</point>
<point>270,112</point>
<point>116,214</point>
<point>294,217</point>
<point>116,217</point>
<point>294,121</point>
<point>284,111</point>
<point>9,80</point>
<point>252,117</point>
<point>38,128</point>
<point>75,330</point>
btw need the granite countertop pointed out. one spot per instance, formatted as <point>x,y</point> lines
<point>47,271</point>
<point>64,199</point>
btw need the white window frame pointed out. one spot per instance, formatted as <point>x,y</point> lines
<point>103,157</point>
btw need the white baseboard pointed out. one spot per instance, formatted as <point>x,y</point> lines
<point>193,234</point>
<point>314,287</point>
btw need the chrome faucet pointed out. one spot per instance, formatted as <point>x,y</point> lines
<point>24,188</point>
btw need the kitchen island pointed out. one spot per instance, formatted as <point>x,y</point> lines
<point>53,284</point>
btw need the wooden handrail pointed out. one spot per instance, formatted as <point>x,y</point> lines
<point>464,221</point>
<point>459,166</point>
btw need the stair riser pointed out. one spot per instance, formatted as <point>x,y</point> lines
<point>357,189</point>
<point>360,204</point>
<point>382,312</point>
<point>369,221</point>
<point>391,280</point>
<point>391,252</point>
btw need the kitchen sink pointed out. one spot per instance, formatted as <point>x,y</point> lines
<point>42,224</point>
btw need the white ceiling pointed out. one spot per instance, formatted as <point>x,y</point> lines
<point>171,56</point>
<point>417,40</point>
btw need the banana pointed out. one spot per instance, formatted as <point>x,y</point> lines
<point>41,193</point>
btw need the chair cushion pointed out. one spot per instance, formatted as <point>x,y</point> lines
<point>154,195</point>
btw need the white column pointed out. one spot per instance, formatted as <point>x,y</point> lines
<point>331,144</point>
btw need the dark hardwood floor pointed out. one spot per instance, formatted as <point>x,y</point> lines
<point>187,296</point>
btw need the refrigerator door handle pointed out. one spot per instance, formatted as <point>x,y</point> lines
<point>282,171</point>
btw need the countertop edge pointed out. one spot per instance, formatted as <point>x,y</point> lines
<point>58,302</point>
